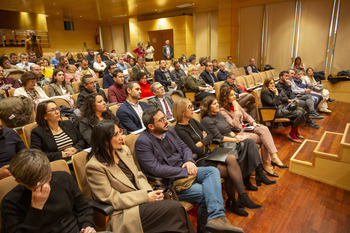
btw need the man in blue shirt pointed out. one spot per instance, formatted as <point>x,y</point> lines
<point>55,60</point>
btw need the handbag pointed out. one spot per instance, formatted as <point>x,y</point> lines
<point>182,184</point>
<point>286,110</point>
<point>169,193</point>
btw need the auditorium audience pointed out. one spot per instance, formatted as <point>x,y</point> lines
<point>55,60</point>
<point>251,68</point>
<point>168,51</point>
<point>244,99</point>
<point>130,112</point>
<point>123,67</point>
<point>178,72</point>
<point>297,64</point>
<point>84,65</point>
<point>114,178</point>
<point>67,76</point>
<point>149,51</point>
<point>41,79</point>
<point>139,50</point>
<point>192,61</point>
<point>44,201</point>
<point>161,152</point>
<point>91,58</point>
<point>271,97</point>
<point>56,138</point>
<point>233,169</point>
<point>80,57</point>
<point>222,73</point>
<point>139,68</point>
<point>235,115</point>
<point>163,75</point>
<point>13,59</point>
<point>229,64</point>
<point>45,68</point>
<point>99,65</point>
<point>132,62</point>
<point>104,56</point>
<point>194,82</point>
<point>145,86</point>
<point>163,102</point>
<point>108,77</point>
<point>116,92</point>
<point>24,63</point>
<point>59,86</point>
<point>215,65</point>
<point>183,63</point>
<point>201,61</point>
<point>70,58</point>
<point>10,144</point>
<point>8,68</point>
<point>31,56</point>
<point>93,111</point>
<point>89,86</point>
<point>207,75</point>
<point>7,83</point>
<point>28,88</point>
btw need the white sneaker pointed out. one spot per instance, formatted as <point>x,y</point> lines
<point>325,110</point>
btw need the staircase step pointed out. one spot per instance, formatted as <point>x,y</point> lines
<point>346,137</point>
<point>305,151</point>
<point>329,145</point>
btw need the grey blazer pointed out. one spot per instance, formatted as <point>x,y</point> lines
<point>55,90</point>
<point>155,102</point>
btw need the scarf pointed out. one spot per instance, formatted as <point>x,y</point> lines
<point>299,83</point>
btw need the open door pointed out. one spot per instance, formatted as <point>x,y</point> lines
<point>157,40</point>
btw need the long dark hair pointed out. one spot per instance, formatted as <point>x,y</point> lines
<point>101,147</point>
<point>54,80</point>
<point>223,100</point>
<point>40,113</point>
<point>89,111</point>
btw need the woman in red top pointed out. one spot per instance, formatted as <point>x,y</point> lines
<point>145,87</point>
<point>139,50</point>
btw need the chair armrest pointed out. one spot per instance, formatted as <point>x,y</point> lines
<point>267,113</point>
<point>103,208</point>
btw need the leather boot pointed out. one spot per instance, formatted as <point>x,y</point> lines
<point>260,177</point>
<point>243,199</point>
<point>221,225</point>
<point>232,205</point>
<point>249,185</point>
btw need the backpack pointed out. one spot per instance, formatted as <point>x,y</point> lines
<point>16,111</point>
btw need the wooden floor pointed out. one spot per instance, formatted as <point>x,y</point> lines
<point>297,204</point>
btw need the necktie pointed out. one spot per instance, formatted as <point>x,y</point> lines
<point>166,108</point>
<point>212,78</point>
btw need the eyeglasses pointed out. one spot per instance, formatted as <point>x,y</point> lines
<point>190,107</point>
<point>53,110</point>
<point>91,83</point>
<point>162,119</point>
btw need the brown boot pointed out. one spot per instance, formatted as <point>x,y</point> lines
<point>221,224</point>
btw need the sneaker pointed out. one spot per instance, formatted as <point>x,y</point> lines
<point>325,110</point>
<point>330,100</point>
<point>312,124</point>
<point>221,224</point>
<point>315,115</point>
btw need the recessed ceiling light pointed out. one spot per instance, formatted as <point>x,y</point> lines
<point>118,16</point>
<point>80,16</point>
<point>185,5</point>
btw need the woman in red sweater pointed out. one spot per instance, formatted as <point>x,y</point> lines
<point>145,87</point>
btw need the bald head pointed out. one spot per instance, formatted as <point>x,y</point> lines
<point>36,69</point>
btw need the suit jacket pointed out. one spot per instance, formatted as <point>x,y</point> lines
<point>110,184</point>
<point>235,119</point>
<point>206,77</point>
<point>155,102</point>
<point>55,90</point>
<point>84,92</point>
<point>159,76</point>
<point>171,52</point>
<point>128,117</point>
<point>153,160</point>
<point>44,140</point>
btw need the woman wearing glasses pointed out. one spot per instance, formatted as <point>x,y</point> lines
<point>56,138</point>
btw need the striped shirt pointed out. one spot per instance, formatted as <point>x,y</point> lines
<point>63,141</point>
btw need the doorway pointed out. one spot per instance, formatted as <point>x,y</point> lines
<point>157,40</point>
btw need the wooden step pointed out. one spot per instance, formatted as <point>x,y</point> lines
<point>329,145</point>
<point>346,136</point>
<point>305,152</point>
<point>344,152</point>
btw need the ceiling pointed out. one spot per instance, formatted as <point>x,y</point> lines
<point>106,11</point>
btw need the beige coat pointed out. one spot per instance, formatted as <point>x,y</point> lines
<point>109,184</point>
<point>55,90</point>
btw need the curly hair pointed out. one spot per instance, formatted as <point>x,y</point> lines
<point>205,105</point>
<point>89,111</point>
<point>223,100</point>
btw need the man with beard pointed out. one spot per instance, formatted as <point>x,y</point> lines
<point>130,113</point>
<point>10,144</point>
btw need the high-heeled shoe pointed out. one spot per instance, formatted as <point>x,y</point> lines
<point>280,166</point>
<point>249,186</point>
<point>270,174</point>
<point>244,200</point>
<point>260,177</point>
<point>232,205</point>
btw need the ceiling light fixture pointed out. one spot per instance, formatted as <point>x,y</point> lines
<point>185,5</point>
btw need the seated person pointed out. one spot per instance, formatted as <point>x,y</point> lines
<point>194,82</point>
<point>215,65</point>
<point>67,76</point>
<point>44,201</point>
<point>207,75</point>
<point>271,97</point>
<point>24,64</point>
<point>229,64</point>
<point>84,66</point>
<point>45,68</point>
<point>130,112</point>
<point>222,73</point>
<point>13,59</point>
<point>163,102</point>
<point>183,63</point>
<point>10,144</point>
<point>8,67</point>
<point>243,98</point>
<point>297,64</point>
<point>93,111</point>
<point>28,88</point>
<point>251,68</point>
<point>139,68</point>
<point>7,83</point>
<point>41,79</point>
<point>91,58</point>
<point>104,56</point>
<point>178,72</point>
<point>70,58</point>
<point>164,76</point>
<point>161,152</point>
<point>59,86</point>
<point>108,77</point>
<point>89,86</point>
<point>116,92</point>
<point>99,65</point>
<point>114,178</point>
<point>145,86</point>
<point>122,66</point>
<point>56,138</point>
<point>235,115</point>
<point>233,170</point>
<point>55,60</point>
<point>64,61</point>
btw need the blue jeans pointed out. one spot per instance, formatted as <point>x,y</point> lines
<point>206,191</point>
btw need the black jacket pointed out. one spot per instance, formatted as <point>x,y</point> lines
<point>206,77</point>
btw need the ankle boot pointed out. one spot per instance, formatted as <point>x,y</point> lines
<point>232,205</point>
<point>260,177</point>
<point>249,185</point>
<point>243,199</point>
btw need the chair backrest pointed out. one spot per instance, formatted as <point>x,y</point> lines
<point>274,73</point>
<point>75,99</point>
<point>200,69</point>
<point>46,89</point>
<point>3,93</point>
<point>241,81</point>
<point>197,116</point>
<point>11,92</point>
<point>60,101</point>
<point>249,80</point>
<point>106,92</point>
<point>72,69</point>
<point>269,74</point>
<point>79,163</point>
<point>263,76</point>
<point>114,108</point>
<point>241,71</point>
<point>100,81</point>
<point>150,63</point>
<point>60,165</point>
<point>27,130</point>
<point>144,100</point>
<point>129,141</point>
<point>217,87</point>
<point>15,74</point>
<point>75,86</point>
<point>257,78</point>
<point>130,76</point>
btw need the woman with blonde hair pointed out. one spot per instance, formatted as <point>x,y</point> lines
<point>194,82</point>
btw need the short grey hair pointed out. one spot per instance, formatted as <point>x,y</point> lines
<point>222,64</point>
<point>112,55</point>
<point>57,52</point>
<point>153,86</point>
<point>30,167</point>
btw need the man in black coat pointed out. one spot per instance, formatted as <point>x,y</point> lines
<point>207,75</point>
<point>168,51</point>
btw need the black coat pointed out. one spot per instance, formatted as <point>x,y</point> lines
<point>206,77</point>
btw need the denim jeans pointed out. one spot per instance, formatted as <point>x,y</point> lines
<point>206,191</point>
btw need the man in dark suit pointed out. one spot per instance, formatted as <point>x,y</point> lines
<point>161,152</point>
<point>130,113</point>
<point>207,75</point>
<point>164,76</point>
<point>168,51</point>
<point>161,101</point>
<point>89,86</point>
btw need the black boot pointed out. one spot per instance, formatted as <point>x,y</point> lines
<point>232,205</point>
<point>249,185</point>
<point>243,199</point>
<point>260,177</point>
